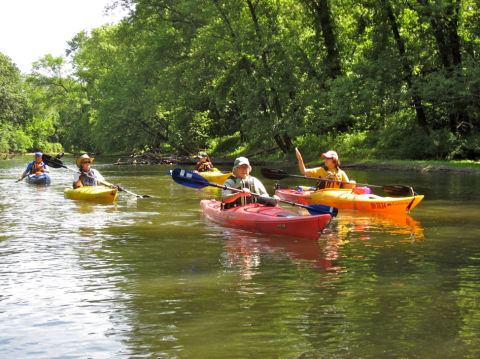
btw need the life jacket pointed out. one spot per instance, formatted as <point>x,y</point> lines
<point>205,166</point>
<point>36,167</point>
<point>88,181</point>
<point>331,176</point>
<point>241,201</point>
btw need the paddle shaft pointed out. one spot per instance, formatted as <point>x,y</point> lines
<point>206,183</point>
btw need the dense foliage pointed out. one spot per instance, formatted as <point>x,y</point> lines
<point>370,79</point>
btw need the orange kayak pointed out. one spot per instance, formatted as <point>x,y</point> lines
<point>346,199</point>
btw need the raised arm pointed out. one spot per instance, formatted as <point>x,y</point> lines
<point>301,165</point>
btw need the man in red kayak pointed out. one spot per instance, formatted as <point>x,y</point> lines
<point>330,170</point>
<point>241,179</point>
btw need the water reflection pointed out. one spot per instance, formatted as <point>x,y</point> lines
<point>363,226</point>
<point>84,207</point>
<point>151,278</point>
<point>245,252</point>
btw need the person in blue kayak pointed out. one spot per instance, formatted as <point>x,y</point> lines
<point>204,164</point>
<point>87,176</point>
<point>241,179</point>
<point>36,167</point>
<point>330,170</point>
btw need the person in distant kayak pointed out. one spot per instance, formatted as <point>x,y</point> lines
<point>87,176</point>
<point>330,170</point>
<point>241,179</point>
<point>36,167</point>
<point>204,164</point>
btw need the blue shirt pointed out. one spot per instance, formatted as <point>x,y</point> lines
<point>30,165</point>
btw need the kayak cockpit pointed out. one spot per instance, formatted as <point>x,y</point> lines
<point>287,214</point>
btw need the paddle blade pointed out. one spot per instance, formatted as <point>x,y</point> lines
<point>189,179</point>
<point>316,209</point>
<point>274,174</point>
<point>398,190</point>
<point>52,162</point>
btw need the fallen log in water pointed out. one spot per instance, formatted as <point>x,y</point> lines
<point>151,158</point>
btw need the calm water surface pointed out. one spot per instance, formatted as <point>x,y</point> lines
<point>150,278</point>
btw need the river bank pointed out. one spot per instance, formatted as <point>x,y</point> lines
<point>373,165</point>
<point>379,165</point>
<point>413,166</point>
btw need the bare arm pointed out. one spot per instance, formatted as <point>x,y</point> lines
<point>301,165</point>
<point>228,198</point>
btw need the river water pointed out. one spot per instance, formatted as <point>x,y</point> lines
<point>150,278</point>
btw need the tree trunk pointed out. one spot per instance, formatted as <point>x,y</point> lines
<point>276,101</point>
<point>445,30</point>
<point>280,143</point>
<point>421,118</point>
<point>321,12</point>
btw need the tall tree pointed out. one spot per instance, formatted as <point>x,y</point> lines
<point>13,108</point>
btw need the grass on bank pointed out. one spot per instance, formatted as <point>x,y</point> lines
<point>438,149</point>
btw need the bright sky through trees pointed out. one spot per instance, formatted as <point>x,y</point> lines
<point>31,29</point>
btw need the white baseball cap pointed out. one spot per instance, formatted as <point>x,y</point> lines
<point>330,154</point>
<point>241,161</point>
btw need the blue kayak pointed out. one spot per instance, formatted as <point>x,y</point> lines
<point>43,179</point>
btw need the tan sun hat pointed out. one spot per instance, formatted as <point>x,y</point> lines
<point>82,157</point>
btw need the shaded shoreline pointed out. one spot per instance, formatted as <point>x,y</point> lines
<point>408,166</point>
<point>387,166</point>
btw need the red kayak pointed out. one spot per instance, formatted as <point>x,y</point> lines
<point>263,219</point>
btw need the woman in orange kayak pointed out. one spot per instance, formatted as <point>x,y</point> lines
<point>330,171</point>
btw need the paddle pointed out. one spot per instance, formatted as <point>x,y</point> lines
<point>397,189</point>
<point>194,180</point>
<point>56,163</point>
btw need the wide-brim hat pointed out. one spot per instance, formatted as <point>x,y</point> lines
<point>83,157</point>
<point>202,155</point>
<point>330,154</point>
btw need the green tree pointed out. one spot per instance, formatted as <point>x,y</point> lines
<point>13,108</point>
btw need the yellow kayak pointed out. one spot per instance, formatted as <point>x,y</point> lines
<point>343,198</point>
<point>91,193</point>
<point>215,176</point>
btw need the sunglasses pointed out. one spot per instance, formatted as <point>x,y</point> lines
<point>85,162</point>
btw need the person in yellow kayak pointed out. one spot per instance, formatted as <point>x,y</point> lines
<point>330,170</point>
<point>87,176</point>
<point>241,179</point>
<point>36,167</point>
<point>204,164</point>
